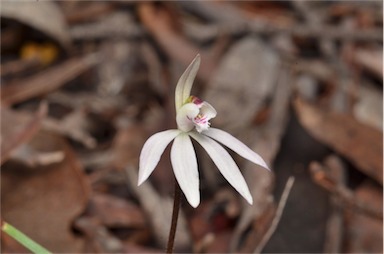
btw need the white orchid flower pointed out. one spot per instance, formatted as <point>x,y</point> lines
<point>192,117</point>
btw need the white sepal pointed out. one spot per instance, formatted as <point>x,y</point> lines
<point>184,85</point>
<point>235,145</point>
<point>184,165</point>
<point>225,164</point>
<point>152,150</point>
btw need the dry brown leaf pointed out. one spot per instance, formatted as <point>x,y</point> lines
<point>43,203</point>
<point>44,16</point>
<point>359,143</point>
<point>269,11</point>
<point>46,81</point>
<point>16,129</point>
<point>116,212</point>
<point>10,245</point>
<point>162,22</point>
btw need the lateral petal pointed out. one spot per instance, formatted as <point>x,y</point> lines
<point>225,164</point>
<point>184,165</point>
<point>152,151</point>
<point>184,85</point>
<point>185,115</point>
<point>235,145</point>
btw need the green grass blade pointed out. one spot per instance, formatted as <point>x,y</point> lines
<point>23,239</point>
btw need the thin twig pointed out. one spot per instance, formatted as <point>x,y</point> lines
<point>175,216</point>
<point>276,219</point>
<point>334,227</point>
<point>346,195</point>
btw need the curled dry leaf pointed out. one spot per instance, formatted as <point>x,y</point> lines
<point>359,143</point>
<point>44,204</point>
<point>44,16</point>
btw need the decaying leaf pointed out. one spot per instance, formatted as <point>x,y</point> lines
<point>358,142</point>
<point>43,203</point>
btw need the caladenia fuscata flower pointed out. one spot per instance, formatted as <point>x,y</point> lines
<point>192,117</point>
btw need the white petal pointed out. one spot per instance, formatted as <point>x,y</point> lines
<point>207,110</point>
<point>184,85</point>
<point>184,165</point>
<point>236,145</point>
<point>152,151</point>
<point>225,164</point>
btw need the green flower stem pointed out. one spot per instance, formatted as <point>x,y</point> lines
<point>23,239</point>
<point>175,216</point>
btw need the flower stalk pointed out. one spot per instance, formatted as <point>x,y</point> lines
<point>175,216</point>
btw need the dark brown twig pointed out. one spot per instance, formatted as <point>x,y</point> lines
<point>321,177</point>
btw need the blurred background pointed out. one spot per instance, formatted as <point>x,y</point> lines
<point>85,83</point>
